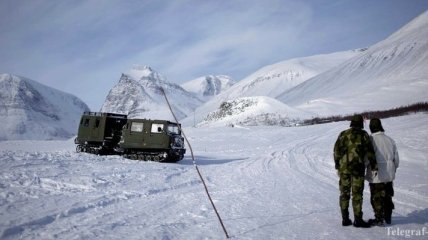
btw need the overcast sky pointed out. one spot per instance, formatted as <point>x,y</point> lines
<point>82,47</point>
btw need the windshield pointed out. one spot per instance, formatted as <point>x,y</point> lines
<point>173,128</point>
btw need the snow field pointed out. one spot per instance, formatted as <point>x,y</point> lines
<point>266,182</point>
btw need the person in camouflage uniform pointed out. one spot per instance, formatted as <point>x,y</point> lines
<point>352,153</point>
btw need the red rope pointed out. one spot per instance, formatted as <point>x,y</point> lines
<point>196,166</point>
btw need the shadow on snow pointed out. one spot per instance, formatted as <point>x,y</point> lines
<point>415,217</point>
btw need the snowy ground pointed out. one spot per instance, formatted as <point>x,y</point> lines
<point>267,183</point>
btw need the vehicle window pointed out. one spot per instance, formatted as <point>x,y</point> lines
<point>86,124</point>
<point>157,128</point>
<point>173,128</point>
<point>136,127</point>
<point>97,123</point>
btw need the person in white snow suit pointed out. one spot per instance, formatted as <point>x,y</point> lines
<point>381,181</point>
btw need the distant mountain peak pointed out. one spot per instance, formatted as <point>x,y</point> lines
<point>139,94</point>
<point>144,73</point>
<point>141,67</point>
<point>208,86</point>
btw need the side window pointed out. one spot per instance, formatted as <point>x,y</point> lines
<point>157,128</point>
<point>136,127</point>
<point>97,123</point>
<point>86,123</point>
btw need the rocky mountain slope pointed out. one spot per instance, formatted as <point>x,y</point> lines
<point>138,93</point>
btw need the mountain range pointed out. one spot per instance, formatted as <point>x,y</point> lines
<point>269,82</point>
<point>388,74</point>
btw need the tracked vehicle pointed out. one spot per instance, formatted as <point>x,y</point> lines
<point>99,133</point>
<point>152,140</point>
<point>139,139</point>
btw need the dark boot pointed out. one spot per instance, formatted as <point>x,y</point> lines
<point>376,222</point>
<point>345,218</point>
<point>346,222</point>
<point>360,223</point>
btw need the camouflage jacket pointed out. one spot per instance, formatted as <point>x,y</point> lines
<point>351,150</point>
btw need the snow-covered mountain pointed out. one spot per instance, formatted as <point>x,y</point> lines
<point>389,74</point>
<point>271,81</point>
<point>209,86</point>
<point>138,94</point>
<point>30,110</point>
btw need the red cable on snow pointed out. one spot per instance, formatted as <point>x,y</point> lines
<point>196,166</point>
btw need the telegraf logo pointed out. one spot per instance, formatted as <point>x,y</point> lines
<point>407,233</point>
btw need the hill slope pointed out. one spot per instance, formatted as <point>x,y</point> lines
<point>253,111</point>
<point>30,110</point>
<point>272,80</point>
<point>389,74</point>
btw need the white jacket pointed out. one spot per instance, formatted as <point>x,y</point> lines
<point>386,157</point>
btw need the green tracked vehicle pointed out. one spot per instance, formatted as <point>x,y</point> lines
<point>152,140</point>
<point>139,139</point>
<point>99,133</point>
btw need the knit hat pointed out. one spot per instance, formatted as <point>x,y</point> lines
<point>357,121</point>
<point>376,125</point>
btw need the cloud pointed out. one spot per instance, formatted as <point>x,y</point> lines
<point>232,38</point>
<point>79,46</point>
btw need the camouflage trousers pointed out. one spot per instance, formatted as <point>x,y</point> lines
<point>351,184</point>
<point>381,199</point>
